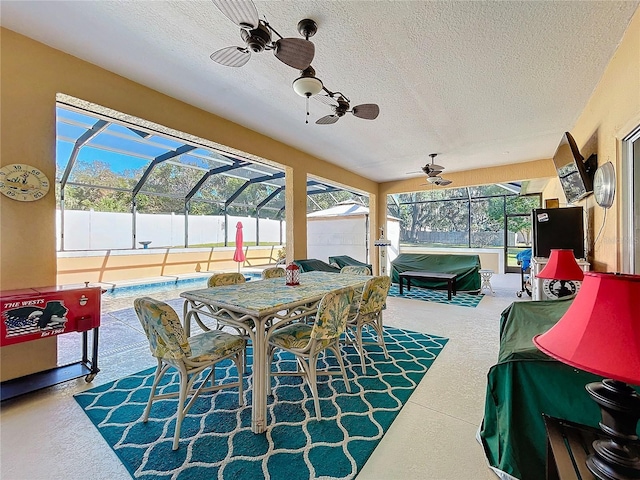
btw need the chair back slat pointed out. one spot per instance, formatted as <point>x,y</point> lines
<point>331,319</point>
<point>374,295</point>
<point>356,270</point>
<point>222,279</point>
<point>162,326</point>
<point>274,272</point>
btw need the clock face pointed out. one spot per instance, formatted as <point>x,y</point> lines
<point>560,289</point>
<point>604,185</point>
<point>23,182</point>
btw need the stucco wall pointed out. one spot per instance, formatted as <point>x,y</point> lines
<point>31,76</point>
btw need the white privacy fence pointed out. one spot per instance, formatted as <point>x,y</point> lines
<point>90,230</point>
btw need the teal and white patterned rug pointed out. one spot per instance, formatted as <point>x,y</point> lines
<point>439,296</point>
<point>217,442</point>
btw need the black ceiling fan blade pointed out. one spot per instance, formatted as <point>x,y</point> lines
<point>295,52</point>
<point>368,111</point>
<point>231,56</point>
<point>442,182</point>
<point>434,173</point>
<point>327,120</point>
<point>241,12</point>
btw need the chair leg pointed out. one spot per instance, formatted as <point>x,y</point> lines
<point>336,351</point>
<point>270,375</point>
<point>239,361</point>
<point>184,380</point>
<point>313,383</point>
<point>379,330</point>
<point>360,347</point>
<point>160,369</point>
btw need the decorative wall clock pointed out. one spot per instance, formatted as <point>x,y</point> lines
<point>23,182</point>
<point>560,288</point>
<point>604,185</point>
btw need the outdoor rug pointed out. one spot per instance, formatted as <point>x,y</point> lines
<point>217,442</point>
<point>438,296</point>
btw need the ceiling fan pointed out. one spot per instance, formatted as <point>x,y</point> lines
<point>340,105</point>
<point>433,172</point>
<point>256,34</point>
<point>430,169</point>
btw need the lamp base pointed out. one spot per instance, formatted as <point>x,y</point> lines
<point>617,458</point>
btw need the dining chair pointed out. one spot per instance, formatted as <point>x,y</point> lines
<point>222,279</point>
<point>191,356</point>
<point>306,341</point>
<point>274,272</point>
<point>216,280</point>
<point>367,311</point>
<point>356,270</point>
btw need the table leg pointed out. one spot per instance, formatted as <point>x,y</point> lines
<point>400,281</point>
<point>408,284</point>
<point>259,394</point>
<point>449,289</point>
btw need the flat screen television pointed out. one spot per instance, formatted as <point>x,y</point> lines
<point>575,176</point>
<point>558,228</point>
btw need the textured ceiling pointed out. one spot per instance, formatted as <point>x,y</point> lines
<point>479,82</point>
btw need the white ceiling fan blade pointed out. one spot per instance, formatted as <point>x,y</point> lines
<point>241,12</point>
<point>231,56</point>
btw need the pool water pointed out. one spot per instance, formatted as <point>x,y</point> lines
<point>165,286</point>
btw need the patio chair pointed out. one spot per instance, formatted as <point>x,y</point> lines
<point>222,279</point>
<point>191,356</point>
<point>353,270</point>
<point>306,341</point>
<point>273,272</point>
<point>368,312</point>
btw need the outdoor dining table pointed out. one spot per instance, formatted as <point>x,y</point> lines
<point>263,303</point>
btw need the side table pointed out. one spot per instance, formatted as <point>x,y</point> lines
<point>485,275</point>
<point>568,445</point>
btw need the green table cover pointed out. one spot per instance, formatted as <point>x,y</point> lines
<point>347,261</point>
<point>526,383</point>
<point>466,267</point>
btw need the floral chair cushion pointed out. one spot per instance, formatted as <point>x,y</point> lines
<point>210,346</point>
<point>331,319</point>
<point>374,295</point>
<point>356,270</point>
<point>221,279</point>
<point>167,339</point>
<point>274,272</point>
<point>163,329</point>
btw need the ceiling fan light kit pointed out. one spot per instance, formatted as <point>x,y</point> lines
<point>307,84</point>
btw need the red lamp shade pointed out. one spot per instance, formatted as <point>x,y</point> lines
<point>600,332</point>
<point>562,265</point>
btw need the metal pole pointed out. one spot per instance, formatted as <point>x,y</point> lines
<point>186,224</point>
<point>62,219</point>
<point>134,209</point>
<point>226,227</point>
<point>257,227</point>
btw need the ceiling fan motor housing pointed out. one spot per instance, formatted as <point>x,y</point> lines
<point>256,39</point>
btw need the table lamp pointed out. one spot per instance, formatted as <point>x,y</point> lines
<point>562,266</point>
<point>600,334</point>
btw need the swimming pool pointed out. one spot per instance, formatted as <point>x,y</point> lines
<point>120,291</point>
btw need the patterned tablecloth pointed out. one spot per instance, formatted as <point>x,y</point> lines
<point>261,297</point>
